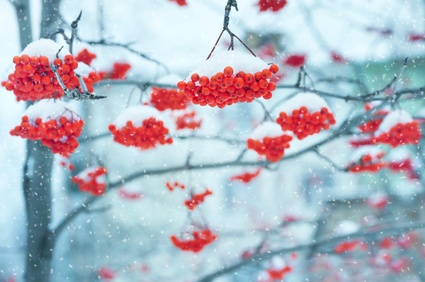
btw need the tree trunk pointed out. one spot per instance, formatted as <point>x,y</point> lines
<point>38,163</point>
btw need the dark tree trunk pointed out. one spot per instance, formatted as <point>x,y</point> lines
<point>38,163</point>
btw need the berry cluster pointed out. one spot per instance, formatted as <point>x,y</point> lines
<point>295,61</point>
<point>71,167</point>
<point>227,88</point>
<point>163,98</point>
<point>88,181</point>
<point>106,273</point>
<point>303,124</point>
<point>119,71</point>
<point>187,120</point>
<point>172,186</point>
<point>146,136</point>
<point>346,247</point>
<point>377,201</point>
<point>199,241</point>
<point>85,57</point>
<point>401,134</point>
<point>273,5</point>
<point>33,78</point>
<point>180,2</point>
<point>197,199</point>
<point>386,243</point>
<point>405,166</point>
<point>279,274</point>
<point>373,124</point>
<point>89,81</point>
<point>271,147</point>
<point>246,177</point>
<point>368,163</point>
<point>58,136</point>
<point>128,195</point>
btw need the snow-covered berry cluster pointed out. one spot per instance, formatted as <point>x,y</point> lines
<point>305,114</point>
<point>246,177</point>
<point>272,5</point>
<point>200,239</point>
<point>54,123</point>
<point>268,140</point>
<point>197,199</point>
<point>118,72</point>
<point>367,159</point>
<point>90,180</point>
<point>164,98</point>
<point>141,127</point>
<point>234,80</point>
<point>188,120</point>
<point>372,125</point>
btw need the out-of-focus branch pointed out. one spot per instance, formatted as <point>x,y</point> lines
<point>321,243</point>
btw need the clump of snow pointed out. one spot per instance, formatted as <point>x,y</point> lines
<point>51,110</point>
<point>136,114</point>
<point>83,69</point>
<point>84,175</point>
<point>45,47</point>
<point>266,129</point>
<point>392,119</point>
<point>398,154</point>
<point>346,227</point>
<point>237,60</point>
<point>171,79</point>
<point>373,151</point>
<point>313,102</point>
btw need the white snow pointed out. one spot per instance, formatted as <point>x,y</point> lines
<point>313,102</point>
<point>373,151</point>
<point>266,129</point>
<point>45,47</point>
<point>237,60</point>
<point>51,110</point>
<point>398,154</point>
<point>172,79</point>
<point>84,69</point>
<point>392,119</point>
<point>346,227</point>
<point>377,198</point>
<point>136,114</point>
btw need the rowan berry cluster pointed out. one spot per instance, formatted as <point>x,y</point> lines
<point>295,61</point>
<point>69,166</point>
<point>85,57</point>
<point>346,246</point>
<point>377,201</point>
<point>303,124</point>
<point>151,133</point>
<point>197,199</point>
<point>129,195</point>
<point>200,240</point>
<point>119,71</point>
<point>405,166</point>
<point>172,186</point>
<point>246,177</point>
<point>187,120</point>
<point>163,98</point>
<point>368,163</point>
<point>373,124</point>
<point>88,181</point>
<point>58,136</point>
<point>180,2</point>
<point>271,147</point>
<point>273,5</point>
<point>279,274</point>
<point>227,88</point>
<point>401,134</point>
<point>33,78</point>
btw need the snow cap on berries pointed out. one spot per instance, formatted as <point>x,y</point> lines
<point>346,227</point>
<point>237,60</point>
<point>136,114</point>
<point>313,103</point>
<point>45,47</point>
<point>266,129</point>
<point>51,110</point>
<point>392,119</point>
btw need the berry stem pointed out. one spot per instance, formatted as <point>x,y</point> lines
<point>74,26</point>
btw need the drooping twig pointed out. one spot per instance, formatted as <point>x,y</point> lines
<point>74,26</point>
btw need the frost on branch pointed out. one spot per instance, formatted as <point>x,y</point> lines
<point>228,78</point>
<point>141,127</point>
<point>269,140</point>
<point>367,159</point>
<point>398,128</point>
<point>56,124</point>
<point>305,114</point>
<point>91,180</point>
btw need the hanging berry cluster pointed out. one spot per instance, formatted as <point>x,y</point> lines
<point>346,246</point>
<point>146,131</point>
<point>118,72</point>
<point>85,56</point>
<point>57,131</point>
<point>172,186</point>
<point>272,5</point>
<point>197,199</point>
<point>305,120</point>
<point>368,163</point>
<point>200,240</point>
<point>268,140</point>
<point>372,125</point>
<point>278,274</point>
<point>405,166</point>
<point>246,177</point>
<point>88,181</point>
<point>187,120</point>
<point>231,84</point>
<point>164,98</point>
